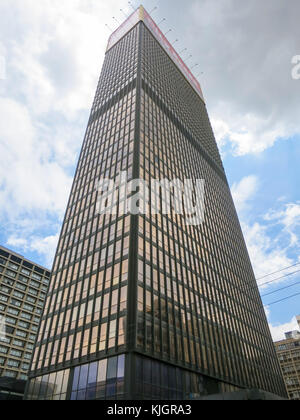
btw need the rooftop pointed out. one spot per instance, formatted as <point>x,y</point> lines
<point>9,251</point>
<point>141,15</point>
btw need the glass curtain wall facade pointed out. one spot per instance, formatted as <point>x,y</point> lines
<point>147,307</point>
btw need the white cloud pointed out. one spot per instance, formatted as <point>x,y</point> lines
<point>267,251</point>
<point>30,179</point>
<point>289,217</point>
<point>248,134</point>
<point>243,191</point>
<point>45,247</point>
<point>266,256</point>
<point>278,331</point>
<point>34,180</point>
<point>267,311</point>
<point>246,61</point>
<point>55,54</point>
<point>17,242</point>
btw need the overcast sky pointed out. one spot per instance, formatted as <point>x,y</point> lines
<point>53,52</point>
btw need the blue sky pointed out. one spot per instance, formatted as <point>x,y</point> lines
<point>53,52</point>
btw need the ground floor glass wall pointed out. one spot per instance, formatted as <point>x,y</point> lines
<point>106,380</point>
<point>93,381</point>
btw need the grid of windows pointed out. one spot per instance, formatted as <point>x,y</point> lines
<point>99,380</point>
<point>163,76</point>
<point>160,381</point>
<point>49,387</point>
<point>198,303</point>
<point>92,381</point>
<point>23,289</point>
<point>85,311</point>
<point>288,352</point>
<point>152,285</point>
<point>119,70</point>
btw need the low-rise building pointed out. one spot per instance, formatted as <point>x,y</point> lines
<point>288,351</point>
<point>23,288</point>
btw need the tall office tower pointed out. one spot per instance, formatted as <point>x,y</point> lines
<point>23,289</point>
<point>147,306</point>
<point>288,352</point>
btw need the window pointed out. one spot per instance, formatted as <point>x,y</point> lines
<point>13,363</point>
<point>26,316</point>
<point>24,325</point>
<point>21,334</point>
<point>20,286</point>
<point>25,366</point>
<point>10,320</point>
<point>2,261</point>
<point>13,266</point>
<point>27,356</point>
<point>11,273</point>
<point>99,379</point>
<point>10,374</point>
<point>36,276</point>
<point>18,343</point>
<point>16,353</point>
<point>13,311</point>
<point>18,295</point>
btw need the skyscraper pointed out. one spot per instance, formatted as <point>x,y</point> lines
<point>146,306</point>
<point>23,289</point>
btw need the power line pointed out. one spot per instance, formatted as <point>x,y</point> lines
<point>282,288</point>
<point>279,278</point>
<point>282,300</point>
<point>279,271</point>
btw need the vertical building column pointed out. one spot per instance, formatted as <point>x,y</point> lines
<point>133,245</point>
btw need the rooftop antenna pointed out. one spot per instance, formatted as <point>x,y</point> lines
<point>116,20</point>
<point>161,21</point>
<point>199,74</point>
<point>131,5</point>
<point>153,10</point>
<point>111,30</point>
<point>176,40</point>
<point>195,65</point>
<point>185,49</point>
<point>188,58</point>
<point>121,10</point>
<point>170,30</point>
